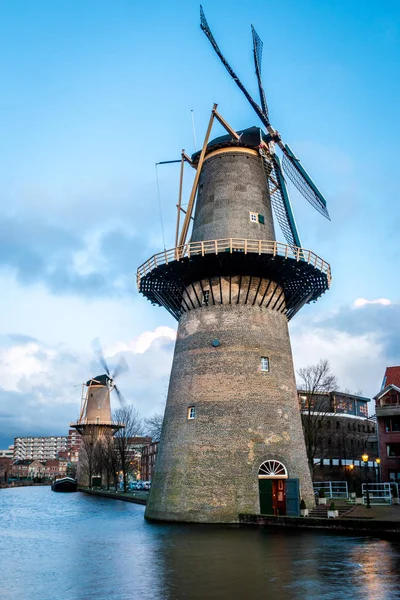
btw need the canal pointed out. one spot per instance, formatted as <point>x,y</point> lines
<point>78,547</point>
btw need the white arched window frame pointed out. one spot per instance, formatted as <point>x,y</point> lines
<point>272,469</point>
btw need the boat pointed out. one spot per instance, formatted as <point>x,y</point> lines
<point>65,484</point>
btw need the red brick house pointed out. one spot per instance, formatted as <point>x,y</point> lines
<point>148,460</point>
<point>55,468</point>
<point>388,419</point>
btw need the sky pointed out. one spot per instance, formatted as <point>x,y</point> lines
<point>94,93</point>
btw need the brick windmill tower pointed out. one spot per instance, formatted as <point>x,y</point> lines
<point>232,439</point>
<point>95,422</point>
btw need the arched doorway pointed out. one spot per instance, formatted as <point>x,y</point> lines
<point>272,487</point>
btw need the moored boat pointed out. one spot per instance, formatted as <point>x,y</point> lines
<point>65,484</point>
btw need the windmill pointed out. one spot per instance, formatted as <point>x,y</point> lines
<point>96,402</point>
<point>272,164</point>
<point>233,289</point>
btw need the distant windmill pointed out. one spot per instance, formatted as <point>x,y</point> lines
<point>272,165</point>
<point>96,406</point>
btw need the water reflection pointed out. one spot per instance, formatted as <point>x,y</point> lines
<point>62,547</point>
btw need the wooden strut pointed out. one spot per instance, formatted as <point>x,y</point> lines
<point>179,199</point>
<point>189,212</point>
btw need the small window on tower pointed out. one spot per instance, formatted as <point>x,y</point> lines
<point>261,219</point>
<point>265,364</point>
<point>254,217</point>
<point>191,412</point>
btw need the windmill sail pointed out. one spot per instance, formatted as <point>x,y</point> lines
<point>303,181</point>
<point>204,25</point>
<point>257,51</point>
<point>280,198</point>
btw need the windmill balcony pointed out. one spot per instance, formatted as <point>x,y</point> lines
<point>300,274</point>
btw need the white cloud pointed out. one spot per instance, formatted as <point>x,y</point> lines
<point>40,384</point>
<point>142,342</point>
<point>356,360</point>
<point>360,302</point>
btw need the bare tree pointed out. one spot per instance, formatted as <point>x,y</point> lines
<point>133,422</point>
<point>89,456</point>
<point>153,426</point>
<point>108,459</point>
<point>314,384</point>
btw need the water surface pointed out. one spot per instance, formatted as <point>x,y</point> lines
<point>78,547</point>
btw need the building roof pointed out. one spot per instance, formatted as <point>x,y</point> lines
<point>387,389</point>
<point>392,377</point>
<point>337,393</point>
<point>249,138</point>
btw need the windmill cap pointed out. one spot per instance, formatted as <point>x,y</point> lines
<point>249,138</point>
<point>99,380</point>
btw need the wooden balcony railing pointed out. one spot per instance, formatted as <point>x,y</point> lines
<point>231,245</point>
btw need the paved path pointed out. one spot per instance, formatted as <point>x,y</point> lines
<point>379,513</point>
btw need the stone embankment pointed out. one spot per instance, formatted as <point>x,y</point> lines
<point>378,520</point>
<point>138,497</point>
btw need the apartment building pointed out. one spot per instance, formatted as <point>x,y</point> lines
<point>40,448</point>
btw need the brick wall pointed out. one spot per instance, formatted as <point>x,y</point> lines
<point>207,468</point>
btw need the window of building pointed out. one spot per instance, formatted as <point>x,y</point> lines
<point>97,420</point>
<point>329,441</point>
<point>354,426</point>
<point>254,217</point>
<point>337,425</point>
<point>319,424</point>
<point>265,364</point>
<point>348,426</point>
<point>373,430</point>
<point>261,219</point>
<point>191,412</point>
<point>328,425</point>
<point>393,450</point>
<point>206,297</point>
<point>392,424</point>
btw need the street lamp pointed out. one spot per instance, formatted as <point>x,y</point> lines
<point>378,462</point>
<point>365,461</point>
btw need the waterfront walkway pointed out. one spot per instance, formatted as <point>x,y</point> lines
<point>137,496</point>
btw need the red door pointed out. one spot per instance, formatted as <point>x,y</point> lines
<point>279,497</point>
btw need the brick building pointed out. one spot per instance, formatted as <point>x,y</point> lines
<point>148,460</point>
<point>388,418</point>
<point>74,443</point>
<point>342,433</point>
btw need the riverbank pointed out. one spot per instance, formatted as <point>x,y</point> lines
<point>138,497</point>
<point>22,484</point>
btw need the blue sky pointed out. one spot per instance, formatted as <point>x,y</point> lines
<point>94,93</point>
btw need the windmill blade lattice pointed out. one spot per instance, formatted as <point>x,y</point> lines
<point>257,51</point>
<point>207,31</point>
<point>300,178</point>
<point>291,164</point>
<point>280,198</point>
<point>99,353</point>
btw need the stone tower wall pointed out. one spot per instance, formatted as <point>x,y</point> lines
<point>232,184</point>
<point>98,404</point>
<point>207,468</point>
